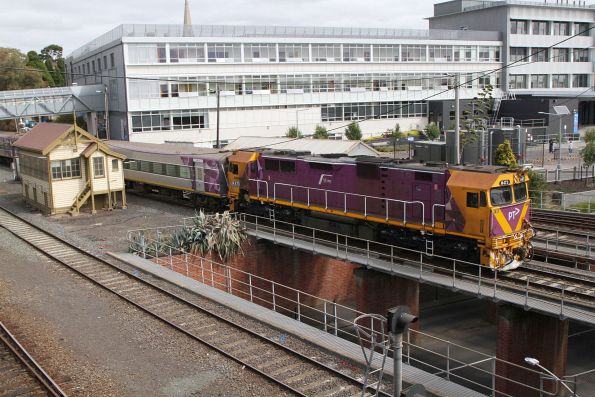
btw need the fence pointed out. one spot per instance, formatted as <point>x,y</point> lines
<point>454,362</point>
<point>560,201</point>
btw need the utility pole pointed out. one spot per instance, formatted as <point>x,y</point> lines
<point>218,100</point>
<point>457,120</point>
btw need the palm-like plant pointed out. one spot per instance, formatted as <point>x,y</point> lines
<point>220,233</point>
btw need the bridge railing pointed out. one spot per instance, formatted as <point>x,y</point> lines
<point>452,361</point>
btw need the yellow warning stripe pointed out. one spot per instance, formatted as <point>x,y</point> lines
<point>502,222</point>
<point>523,214</point>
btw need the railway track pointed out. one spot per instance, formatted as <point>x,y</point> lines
<point>269,358</point>
<point>20,374</point>
<point>563,218</point>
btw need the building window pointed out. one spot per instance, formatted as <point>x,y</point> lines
<point>99,64</point>
<point>580,55</point>
<point>539,54</point>
<point>105,62</point>
<point>519,26</point>
<point>222,53</point>
<point>115,165</point>
<point>98,167</point>
<point>259,53</point>
<point>539,81</point>
<point>36,167</point>
<point>146,53</point>
<point>112,60</point>
<point>465,53</point>
<point>356,53</point>
<point>386,53</point>
<point>580,80</point>
<point>561,29</point>
<point>559,81</point>
<point>169,120</point>
<point>294,53</point>
<point>518,54</point>
<point>560,55</point>
<point>517,81</point>
<point>413,53</point>
<point>440,53</point>
<point>93,63</point>
<point>66,169</point>
<point>326,53</point>
<point>540,28</point>
<point>581,29</point>
<point>186,53</point>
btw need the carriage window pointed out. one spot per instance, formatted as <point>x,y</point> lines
<point>271,165</point>
<point>483,200</point>
<point>423,176</point>
<point>321,166</point>
<point>287,166</point>
<point>367,170</point>
<point>520,192</point>
<point>472,200</point>
<point>233,167</point>
<point>501,195</point>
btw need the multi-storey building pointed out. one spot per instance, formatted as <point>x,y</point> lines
<point>183,83</point>
<point>537,73</point>
<point>165,82</point>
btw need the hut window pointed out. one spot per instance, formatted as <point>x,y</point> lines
<point>115,165</point>
<point>98,168</point>
<point>65,169</point>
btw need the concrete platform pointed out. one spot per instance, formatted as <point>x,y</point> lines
<point>433,384</point>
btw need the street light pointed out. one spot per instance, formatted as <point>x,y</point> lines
<point>106,109</point>
<point>535,362</point>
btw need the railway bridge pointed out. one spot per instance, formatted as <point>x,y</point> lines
<point>533,304</point>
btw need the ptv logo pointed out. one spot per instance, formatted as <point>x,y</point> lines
<point>513,214</point>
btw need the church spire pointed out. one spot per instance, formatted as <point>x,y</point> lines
<point>187,20</point>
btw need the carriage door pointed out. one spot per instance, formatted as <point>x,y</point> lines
<point>476,213</point>
<point>199,175</point>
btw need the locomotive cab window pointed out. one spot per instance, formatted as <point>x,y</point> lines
<point>472,200</point>
<point>233,167</point>
<point>501,195</point>
<point>483,200</point>
<point>520,192</point>
<point>271,165</point>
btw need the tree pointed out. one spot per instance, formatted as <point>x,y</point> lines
<point>53,52</point>
<point>52,57</point>
<point>504,154</point>
<point>432,131</point>
<point>588,152</point>
<point>353,132</point>
<point>35,61</point>
<point>67,119</point>
<point>537,182</point>
<point>320,133</point>
<point>475,118</point>
<point>293,132</point>
<point>14,73</point>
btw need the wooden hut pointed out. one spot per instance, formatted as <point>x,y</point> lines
<point>64,169</point>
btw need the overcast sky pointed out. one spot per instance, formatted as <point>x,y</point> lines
<point>34,24</point>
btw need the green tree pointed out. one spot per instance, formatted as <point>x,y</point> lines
<point>293,132</point>
<point>537,182</point>
<point>353,132</point>
<point>432,131</point>
<point>67,119</point>
<point>504,154</point>
<point>588,152</point>
<point>54,62</point>
<point>320,133</point>
<point>35,61</point>
<point>14,73</point>
<point>475,118</point>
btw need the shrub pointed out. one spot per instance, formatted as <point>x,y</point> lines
<point>293,132</point>
<point>353,132</point>
<point>320,132</point>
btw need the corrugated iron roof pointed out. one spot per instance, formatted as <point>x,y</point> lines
<point>42,135</point>
<point>314,146</point>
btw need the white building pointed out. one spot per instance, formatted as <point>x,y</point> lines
<point>272,78</point>
<point>163,80</point>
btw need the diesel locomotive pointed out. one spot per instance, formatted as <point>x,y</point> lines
<point>476,213</point>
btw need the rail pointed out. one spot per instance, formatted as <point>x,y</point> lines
<point>345,195</point>
<point>441,357</point>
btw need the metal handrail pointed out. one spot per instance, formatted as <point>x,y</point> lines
<point>208,276</point>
